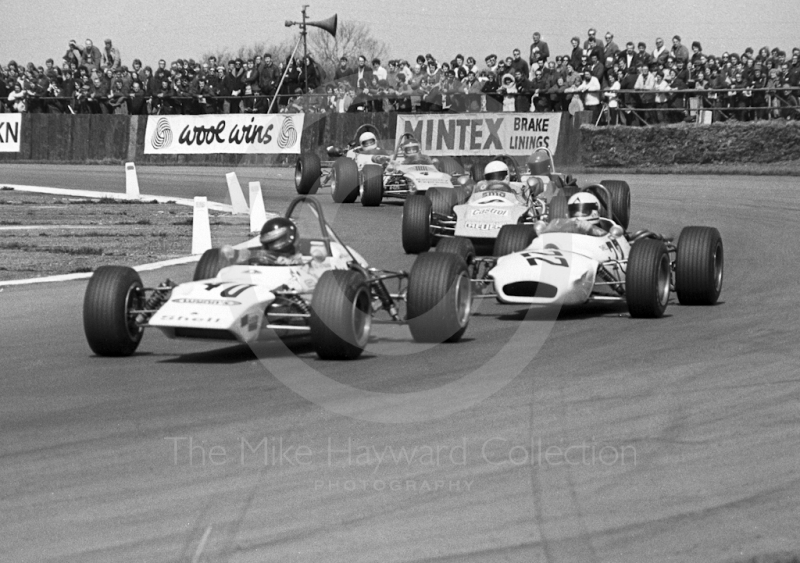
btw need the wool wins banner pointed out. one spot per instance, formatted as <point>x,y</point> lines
<point>482,133</point>
<point>10,125</point>
<point>229,133</point>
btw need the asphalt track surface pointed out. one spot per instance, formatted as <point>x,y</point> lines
<point>616,440</point>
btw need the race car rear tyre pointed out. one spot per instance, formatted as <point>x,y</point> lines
<point>110,327</point>
<point>463,192</point>
<point>341,315</point>
<point>558,206</point>
<point>371,185</point>
<point>307,172</point>
<point>449,165</point>
<point>647,279</point>
<point>513,238</point>
<point>211,262</point>
<point>699,266</point>
<point>416,232</point>
<point>442,200</point>
<point>460,246</point>
<point>344,180</point>
<point>439,298</point>
<point>620,193</point>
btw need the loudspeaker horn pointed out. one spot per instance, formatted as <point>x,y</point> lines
<point>328,25</point>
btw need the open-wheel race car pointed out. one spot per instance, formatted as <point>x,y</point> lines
<point>502,195</point>
<point>363,169</point>
<point>571,262</point>
<point>328,292</point>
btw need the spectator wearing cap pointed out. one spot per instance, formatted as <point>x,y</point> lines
<point>343,71</point>
<point>660,53</point>
<point>111,57</point>
<point>539,51</point>
<point>679,51</point>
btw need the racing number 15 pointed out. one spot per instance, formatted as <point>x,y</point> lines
<point>552,257</point>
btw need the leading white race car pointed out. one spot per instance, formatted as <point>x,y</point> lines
<point>564,264</point>
<point>373,173</point>
<point>331,296</point>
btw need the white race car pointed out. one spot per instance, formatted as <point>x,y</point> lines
<point>566,264</point>
<point>330,295</point>
<point>374,174</point>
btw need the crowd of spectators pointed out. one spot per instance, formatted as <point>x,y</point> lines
<point>630,84</point>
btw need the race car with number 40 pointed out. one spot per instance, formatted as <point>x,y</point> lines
<point>328,292</point>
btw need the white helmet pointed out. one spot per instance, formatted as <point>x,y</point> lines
<point>584,206</point>
<point>368,140</point>
<point>496,170</point>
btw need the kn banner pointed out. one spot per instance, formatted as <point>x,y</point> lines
<point>229,133</point>
<point>10,125</point>
<point>482,133</point>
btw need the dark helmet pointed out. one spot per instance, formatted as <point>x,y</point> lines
<point>540,164</point>
<point>279,235</point>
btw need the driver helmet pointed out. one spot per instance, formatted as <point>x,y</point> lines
<point>496,171</point>
<point>584,206</point>
<point>540,164</point>
<point>411,148</point>
<point>368,141</point>
<point>278,236</point>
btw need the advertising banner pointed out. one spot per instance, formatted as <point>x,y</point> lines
<point>10,125</point>
<point>229,133</point>
<point>482,133</point>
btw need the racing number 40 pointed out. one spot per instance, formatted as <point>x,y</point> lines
<point>552,257</point>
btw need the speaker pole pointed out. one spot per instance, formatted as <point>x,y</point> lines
<point>285,72</point>
<point>304,32</point>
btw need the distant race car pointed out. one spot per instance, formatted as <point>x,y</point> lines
<point>373,173</point>
<point>563,265</point>
<point>525,197</point>
<point>331,296</point>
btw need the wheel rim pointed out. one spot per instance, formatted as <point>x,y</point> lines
<point>298,173</point>
<point>133,300</point>
<point>663,281</point>
<point>362,318</point>
<point>333,182</point>
<point>718,261</point>
<point>463,295</point>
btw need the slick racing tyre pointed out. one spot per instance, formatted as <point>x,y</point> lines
<point>439,298</point>
<point>449,165</point>
<point>442,200</point>
<point>513,238</point>
<point>699,266</point>
<point>113,293</point>
<point>460,246</point>
<point>211,262</point>
<point>307,172</point>
<point>371,185</point>
<point>341,315</point>
<point>558,208</point>
<point>647,279</point>
<point>416,233</point>
<point>620,201</point>
<point>344,180</point>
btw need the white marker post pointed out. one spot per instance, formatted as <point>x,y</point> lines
<point>131,180</point>
<point>258,214</point>
<point>201,227</point>
<point>237,195</point>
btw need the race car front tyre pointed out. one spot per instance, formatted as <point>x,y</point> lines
<point>211,262</point>
<point>113,293</point>
<point>442,200</point>
<point>449,165</point>
<point>513,238</point>
<point>460,246</point>
<point>307,172</point>
<point>439,298</point>
<point>371,185</point>
<point>699,266</point>
<point>416,232</point>
<point>558,208</point>
<point>620,193</point>
<point>341,315</point>
<point>647,279</point>
<point>344,180</point>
